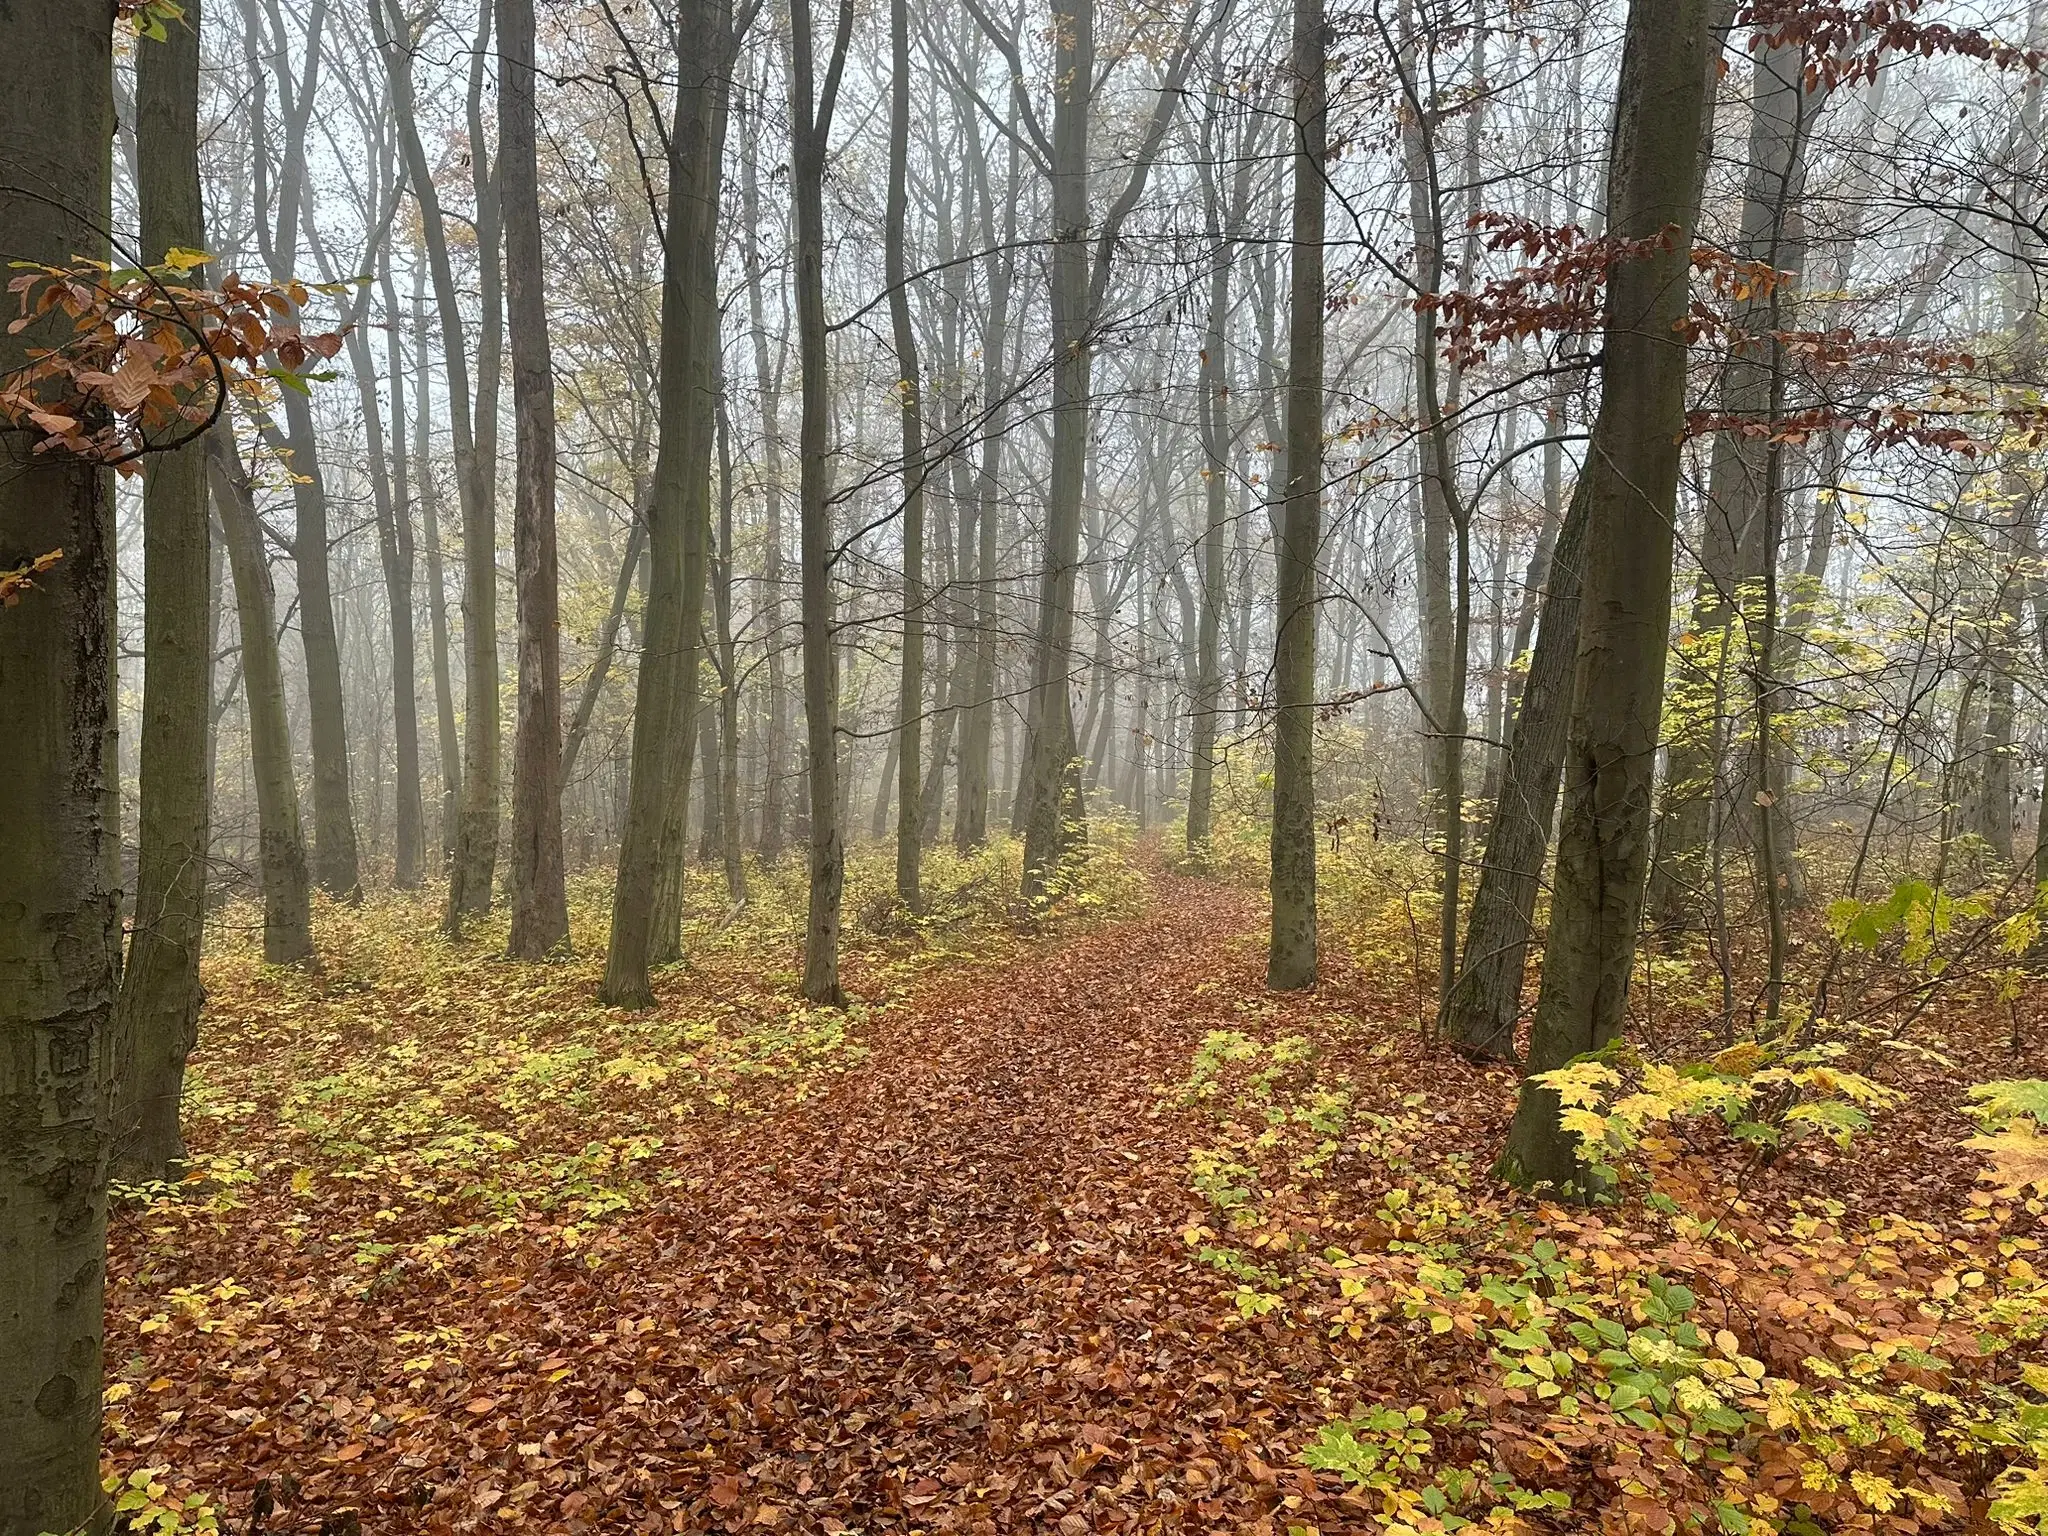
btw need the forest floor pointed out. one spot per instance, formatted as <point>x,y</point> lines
<point>475,1254</point>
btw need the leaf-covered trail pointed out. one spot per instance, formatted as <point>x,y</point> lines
<point>945,1289</point>
<point>952,1294</point>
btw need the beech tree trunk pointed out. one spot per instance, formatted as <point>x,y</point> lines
<point>540,904</point>
<point>281,845</point>
<point>1632,473</point>
<point>811,108</point>
<point>1291,956</point>
<point>647,903</point>
<point>910,420</point>
<point>157,1020</point>
<point>1480,1014</point>
<point>60,944</point>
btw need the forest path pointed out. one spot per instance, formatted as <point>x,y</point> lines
<point>952,1293</point>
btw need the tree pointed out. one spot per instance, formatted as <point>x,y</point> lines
<point>910,419</point>
<point>540,906</point>
<point>60,947</point>
<point>1668,60</point>
<point>664,720</point>
<point>1291,957</point>
<point>810,127</point>
<point>157,1021</point>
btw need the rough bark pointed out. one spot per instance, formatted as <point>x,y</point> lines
<point>60,944</point>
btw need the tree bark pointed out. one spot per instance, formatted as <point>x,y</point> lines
<point>157,1019</point>
<point>540,904</point>
<point>281,846</point>
<point>647,902</point>
<point>60,947</point>
<point>1632,466</point>
<point>1480,1013</point>
<point>910,420</point>
<point>1291,956</point>
<point>811,109</point>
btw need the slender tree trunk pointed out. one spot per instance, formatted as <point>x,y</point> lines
<point>977,736</point>
<point>60,947</point>
<point>1291,957</point>
<point>1051,730</point>
<point>540,905</point>
<point>768,384</point>
<point>647,902</point>
<point>811,111</point>
<point>1479,1015</point>
<point>281,847</point>
<point>447,739</point>
<point>157,1020</point>
<point>732,839</point>
<point>910,419</point>
<point>395,545</point>
<point>1632,466</point>
<point>469,883</point>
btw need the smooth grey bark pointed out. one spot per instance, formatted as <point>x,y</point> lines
<point>811,109</point>
<point>1291,953</point>
<point>540,903</point>
<point>1224,230</point>
<point>1484,1003</point>
<point>910,422</point>
<point>647,902</point>
<point>281,846</point>
<point>726,657</point>
<point>977,731</point>
<point>476,833</point>
<point>335,860</point>
<point>60,944</point>
<point>682,483</point>
<point>768,385</point>
<point>157,1017</point>
<point>399,559</point>
<point>447,739</point>
<point>1632,469</point>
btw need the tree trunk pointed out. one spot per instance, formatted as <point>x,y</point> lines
<point>157,1019</point>
<point>910,419</point>
<point>647,902</point>
<point>448,742</point>
<point>811,111</point>
<point>540,904</point>
<point>395,545</point>
<point>281,847</point>
<point>768,385</point>
<point>977,732</point>
<point>60,947</point>
<point>1632,469</point>
<point>1480,1013</point>
<point>1291,957</point>
<point>1051,734</point>
<point>732,838</point>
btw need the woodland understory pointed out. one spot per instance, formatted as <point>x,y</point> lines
<point>1067,1223</point>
